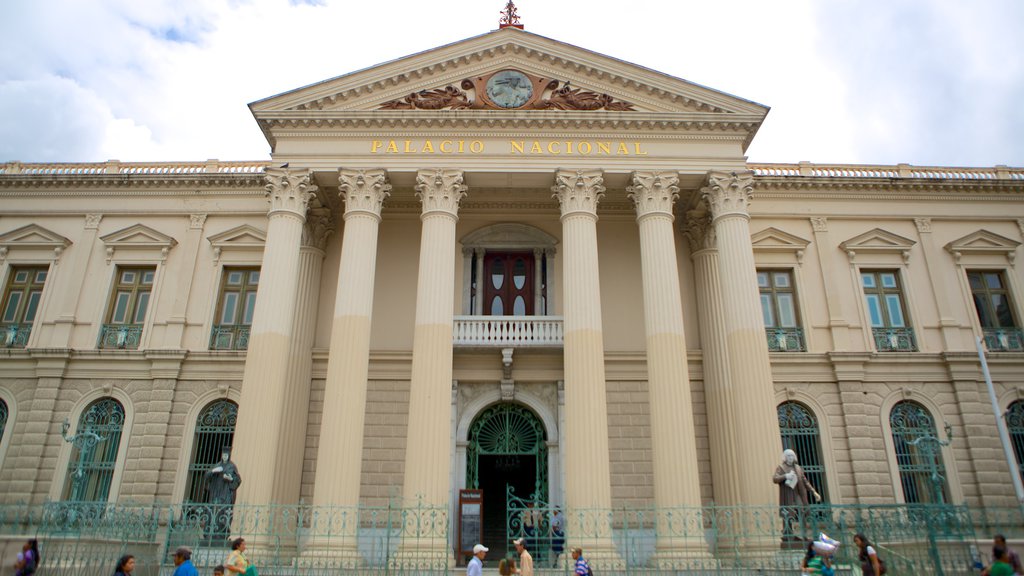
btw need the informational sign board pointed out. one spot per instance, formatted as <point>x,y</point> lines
<point>471,525</point>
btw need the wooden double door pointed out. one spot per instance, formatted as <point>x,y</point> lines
<point>508,283</point>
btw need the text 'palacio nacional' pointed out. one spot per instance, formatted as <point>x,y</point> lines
<point>511,265</point>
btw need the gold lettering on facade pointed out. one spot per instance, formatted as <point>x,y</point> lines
<point>541,147</point>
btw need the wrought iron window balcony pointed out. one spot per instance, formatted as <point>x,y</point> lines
<point>508,331</point>
<point>230,337</point>
<point>1004,339</point>
<point>124,336</point>
<point>785,339</point>
<point>894,339</point>
<point>15,335</point>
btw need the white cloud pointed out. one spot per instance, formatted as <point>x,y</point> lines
<point>906,81</point>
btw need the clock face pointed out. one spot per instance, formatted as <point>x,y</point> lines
<point>509,89</point>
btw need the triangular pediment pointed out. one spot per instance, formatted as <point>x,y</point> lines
<point>878,241</point>
<point>33,236</point>
<point>983,242</point>
<point>463,67</point>
<point>138,236</point>
<point>775,240</point>
<point>240,237</point>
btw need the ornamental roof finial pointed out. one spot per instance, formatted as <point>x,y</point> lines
<point>510,17</point>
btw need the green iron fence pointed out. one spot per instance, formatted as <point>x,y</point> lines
<point>87,538</point>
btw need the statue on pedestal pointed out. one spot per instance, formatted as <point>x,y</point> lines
<point>794,492</point>
<point>222,481</point>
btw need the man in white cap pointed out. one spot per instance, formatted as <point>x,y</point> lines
<point>525,560</point>
<point>476,563</point>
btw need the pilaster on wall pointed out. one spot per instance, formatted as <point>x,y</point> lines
<point>838,323</point>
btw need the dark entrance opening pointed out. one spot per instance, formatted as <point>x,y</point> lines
<point>496,473</point>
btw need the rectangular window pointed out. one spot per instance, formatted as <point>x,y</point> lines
<point>883,294</point>
<point>994,306</point>
<point>235,308</point>
<point>129,303</point>
<point>22,296</point>
<point>778,309</point>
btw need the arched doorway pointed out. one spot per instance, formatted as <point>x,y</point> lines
<point>507,447</point>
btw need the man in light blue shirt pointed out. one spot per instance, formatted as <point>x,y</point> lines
<point>183,562</point>
<point>476,564</point>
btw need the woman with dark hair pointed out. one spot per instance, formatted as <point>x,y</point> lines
<point>237,563</point>
<point>125,565</point>
<point>28,559</point>
<point>870,565</point>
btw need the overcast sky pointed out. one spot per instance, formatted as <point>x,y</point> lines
<point>927,82</point>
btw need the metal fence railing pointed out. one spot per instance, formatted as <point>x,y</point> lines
<point>85,539</point>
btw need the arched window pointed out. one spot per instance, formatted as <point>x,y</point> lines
<point>3,419</point>
<point>215,429</point>
<point>800,434</point>
<point>1015,425</point>
<point>94,453</point>
<point>918,454</point>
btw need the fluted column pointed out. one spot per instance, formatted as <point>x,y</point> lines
<point>340,454</point>
<point>266,367</point>
<point>672,437</point>
<point>427,457</point>
<point>295,410</point>
<point>718,390</point>
<point>758,443</point>
<point>587,473</point>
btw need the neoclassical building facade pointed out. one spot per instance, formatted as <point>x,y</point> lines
<point>508,261</point>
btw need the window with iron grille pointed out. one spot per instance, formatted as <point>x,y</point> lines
<point>215,429</point>
<point>890,326</point>
<point>800,433</point>
<point>91,467</point>
<point>22,296</point>
<point>235,308</point>
<point>779,311</point>
<point>3,419</point>
<point>995,311</point>
<point>921,468</point>
<point>1015,426</point>
<point>129,302</point>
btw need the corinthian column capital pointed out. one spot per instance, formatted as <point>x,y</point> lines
<point>363,191</point>
<point>318,228</point>
<point>698,231</point>
<point>578,190</point>
<point>289,191</point>
<point>654,192</point>
<point>728,194</point>
<point>440,190</point>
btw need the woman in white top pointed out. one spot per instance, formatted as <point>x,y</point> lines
<point>868,556</point>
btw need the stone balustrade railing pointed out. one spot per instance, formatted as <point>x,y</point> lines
<point>129,168</point>
<point>508,331</point>
<point>879,171</point>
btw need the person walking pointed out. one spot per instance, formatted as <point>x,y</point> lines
<point>557,526</point>
<point>870,565</point>
<point>237,563</point>
<point>125,565</point>
<point>183,562</point>
<point>525,560</point>
<point>476,563</point>
<point>28,559</point>
<point>582,566</point>
<point>999,541</point>
<point>506,567</point>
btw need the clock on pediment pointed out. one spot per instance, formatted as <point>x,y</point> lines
<point>508,89</point>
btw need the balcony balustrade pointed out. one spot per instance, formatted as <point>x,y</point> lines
<point>230,337</point>
<point>508,331</point>
<point>1004,339</point>
<point>785,339</point>
<point>894,339</point>
<point>124,336</point>
<point>15,335</point>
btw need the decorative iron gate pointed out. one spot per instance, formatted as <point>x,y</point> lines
<point>215,429</point>
<point>800,434</point>
<point>1015,426</point>
<point>508,431</point>
<point>91,466</point>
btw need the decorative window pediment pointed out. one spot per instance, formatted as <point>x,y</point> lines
<point>775,240</point>
<point>138,237</point>
<point>33,237</point>
<point>244,238</point>
<point>509,237</point>
<point>984,243</point>
<point>878,241</point>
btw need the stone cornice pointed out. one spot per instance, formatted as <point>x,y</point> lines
<point>155,184</point>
